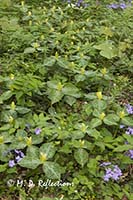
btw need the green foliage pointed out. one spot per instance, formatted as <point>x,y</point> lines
<point>64,74</point>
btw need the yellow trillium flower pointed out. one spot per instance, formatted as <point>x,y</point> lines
<point>122,114</point>
<point>43,157</point>
<point>1,139</point>
<point>29,13</point>
<point>104,71</point>
<point>83,128</point>
<point>29,141</point>
<point>99,95</point>
<point>22,3</point>
<point>11,119</point>
<point>11,76</point>
<point>102,115</point>
<point>13,105</point>
<point>59,86</point>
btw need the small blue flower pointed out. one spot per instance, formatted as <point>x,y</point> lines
<point>37,131</point>
<point>129,109</point>
<point>123,5</point>
<point>105,164</point>
<point>122,126</point>
<point>129,131</point>
<point>113,173</point>
<point>130,154</point>
<point>11,163</point>
<point>113,5</point>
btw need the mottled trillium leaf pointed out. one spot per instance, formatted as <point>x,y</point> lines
<point>71,90</point>
<point>122,148</point>
<point>111,119</point>
<point>107,50</point>
<point>22,110</point>
<point>30,162</point>
<point>52,170</point>
<point>95,122</point>
<point>29,50</point>
<point>94,133</point>
<point>81,156</point>
<point>3,167</point>
<point>54,95</point>
<point>48,149</point>
<point>70,100</point>
<point>49,61</point>
<point>127,121</point>
<point>5,96</point>
<point>99,105</point>
<point>63,63</point>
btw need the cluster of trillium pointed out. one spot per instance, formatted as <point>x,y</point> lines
<point>111,171</point>
<point>121,4</point>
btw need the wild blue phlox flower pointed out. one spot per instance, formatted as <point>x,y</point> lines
<point>113,172</point>
<point>37,131</point>
<point>12,163</point>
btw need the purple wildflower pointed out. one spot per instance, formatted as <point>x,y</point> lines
<point>18,158</point>
<point>11,163</point>
<point>122,5</point>
<point>79,3</point>
<point>114,173</point>
<point>113,5</point>
<point>105,164</point>
<point>122,126</point>
<point>129,109</point>
<point>130,154</point>
<point>37,131</point>
<point>19,153</point>
<point>16,151</point>
<point>129,131</point>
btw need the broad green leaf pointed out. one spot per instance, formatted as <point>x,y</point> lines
<point>122,148</point>
<point>127,121</point>
<point>29,162</point>
<point>48,149</point>
<point>22,110</point>
<point>52,170</point>
<point>92,166</point>
<point>3,167</point>
<point>90,74</point>
<point>111,119</point>
<point>49,61</point>
<point>107,50</point>
<point>128,138</point>
<point>54,95</point>
<point>79,77</point>
<point>77,134</point>
<point>63,63</point>
<point>53,84</point>
<point>5,127</point>
<point>71,90</point>
<point>94,133</point>
<point>4,149</point>
<point>88,109</point>
<point>5,96</point>
<point>70,100</point>
<point>32,151</point>
<point>29,50</point>
<point>95,122</point>
<point>99,105</point>
<point>81,156</point>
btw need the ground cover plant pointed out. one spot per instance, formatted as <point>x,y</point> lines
<point>66,104</point>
